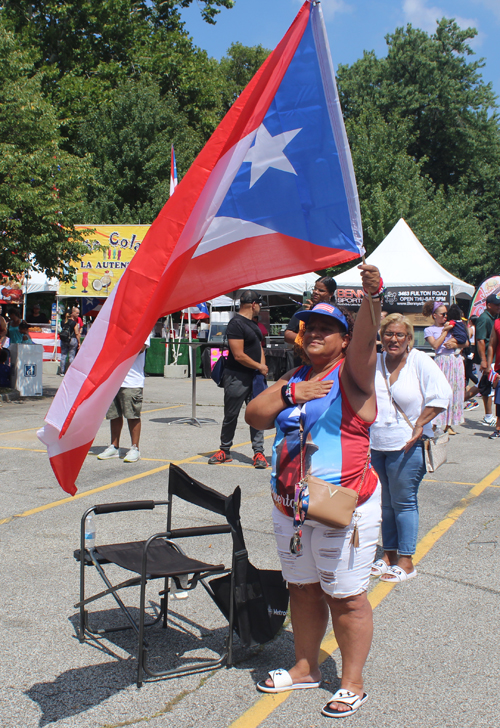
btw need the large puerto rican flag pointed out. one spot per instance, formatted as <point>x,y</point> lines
<point>272,194</point>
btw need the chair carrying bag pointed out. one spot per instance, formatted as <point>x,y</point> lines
<point>260,602</point>
<point>260,597</point>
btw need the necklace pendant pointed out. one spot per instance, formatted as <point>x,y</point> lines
<point>296,544</point>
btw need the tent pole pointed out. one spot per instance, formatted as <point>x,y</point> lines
<point>56,332</point>
<point>25,297</point>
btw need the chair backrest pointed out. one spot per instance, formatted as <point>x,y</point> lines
<point>187,488</point>
<point>260,597</point>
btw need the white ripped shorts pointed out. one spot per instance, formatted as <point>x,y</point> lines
<point>327,556</point>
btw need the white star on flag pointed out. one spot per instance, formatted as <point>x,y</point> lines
<point>268,152</point>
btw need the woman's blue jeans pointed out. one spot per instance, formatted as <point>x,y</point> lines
<point>400,474</point>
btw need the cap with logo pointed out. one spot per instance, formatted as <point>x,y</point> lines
<point>325,309</point>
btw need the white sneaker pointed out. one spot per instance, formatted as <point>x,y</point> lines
<point>109,452</point>
<point>489,420</point>
<point>133,455</point>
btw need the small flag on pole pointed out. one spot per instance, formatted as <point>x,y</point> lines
<point>173,172</point>
<point>200,311</point>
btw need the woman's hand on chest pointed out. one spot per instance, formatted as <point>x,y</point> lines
<point>307,391</point>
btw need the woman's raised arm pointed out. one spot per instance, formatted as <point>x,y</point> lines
<point>359,369</point>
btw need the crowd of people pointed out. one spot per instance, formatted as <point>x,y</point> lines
<point>16,330</point>
<point>355,411</point>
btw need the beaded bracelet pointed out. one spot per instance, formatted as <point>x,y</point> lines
<point>284,396</point>
<point>288,393</point>
<point>379,293</point>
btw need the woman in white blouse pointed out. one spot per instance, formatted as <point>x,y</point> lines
<point>406,381</point>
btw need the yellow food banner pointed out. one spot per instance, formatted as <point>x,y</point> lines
<point>100,270</point>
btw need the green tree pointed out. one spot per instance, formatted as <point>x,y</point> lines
<point>89,47</point>
<point>188,74</point>
<point>426,145</point>
<point>129,138</point>
<point>84,33</point>
<point>41,185</point>
<point>238,68</point>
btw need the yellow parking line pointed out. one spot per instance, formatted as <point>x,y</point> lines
<point>227,465</point>
<point>255,715</point>
<point>101,488</point>
<point>29,449</point>
<point>31,429</point>
<point>173,406</point>
<point>157,460</point>
<point>14,432</point>
<point>451,482</point>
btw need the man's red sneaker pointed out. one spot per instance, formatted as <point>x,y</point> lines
<point>259,461</point>
<point>220,457</point>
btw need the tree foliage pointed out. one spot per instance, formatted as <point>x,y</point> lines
<point>425,140</point>
<point>41,185</point>
<point>130,135</point>
<point>96,91</point>
<point>238,68</point>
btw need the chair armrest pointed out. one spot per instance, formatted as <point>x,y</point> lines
<point>126,506</point>
<point>199,531</point>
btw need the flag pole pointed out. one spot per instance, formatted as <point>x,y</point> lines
<point>372,310</point>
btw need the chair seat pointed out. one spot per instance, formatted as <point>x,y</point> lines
<point>163,559</point>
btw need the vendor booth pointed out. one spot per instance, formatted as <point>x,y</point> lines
<point>411,277</point>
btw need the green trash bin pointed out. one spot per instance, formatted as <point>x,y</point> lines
<point>155,357</point>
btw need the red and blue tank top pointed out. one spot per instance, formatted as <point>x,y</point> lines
<point>336,444</point>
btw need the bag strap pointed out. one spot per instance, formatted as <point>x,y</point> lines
<point>396,405</point>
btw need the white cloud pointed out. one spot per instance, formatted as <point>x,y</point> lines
<point>331,7</point>
<point>492,5</point>
<point>420,15</point>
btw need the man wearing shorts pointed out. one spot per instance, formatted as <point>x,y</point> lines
<point>127,404</point>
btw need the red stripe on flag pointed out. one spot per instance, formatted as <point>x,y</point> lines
<point>243,262</point>
<point>67,465</point>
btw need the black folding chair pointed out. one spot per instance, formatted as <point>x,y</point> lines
<point>160,557</point>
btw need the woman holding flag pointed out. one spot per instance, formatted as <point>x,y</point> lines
<point>330,406</point>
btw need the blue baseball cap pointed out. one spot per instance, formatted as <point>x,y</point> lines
<point>325,309</point>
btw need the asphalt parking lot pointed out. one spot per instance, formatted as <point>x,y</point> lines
<point>435,655</point>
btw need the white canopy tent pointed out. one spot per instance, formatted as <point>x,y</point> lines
<point>403,261</point>
<point>36,282</point>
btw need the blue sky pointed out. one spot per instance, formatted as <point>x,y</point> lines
<point>353,26</point>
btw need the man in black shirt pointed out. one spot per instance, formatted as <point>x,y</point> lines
<point>37,317</point>
<point>245,359</point>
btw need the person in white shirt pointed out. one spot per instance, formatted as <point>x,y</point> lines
<point>406,381</point>
<point>127,404</point>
